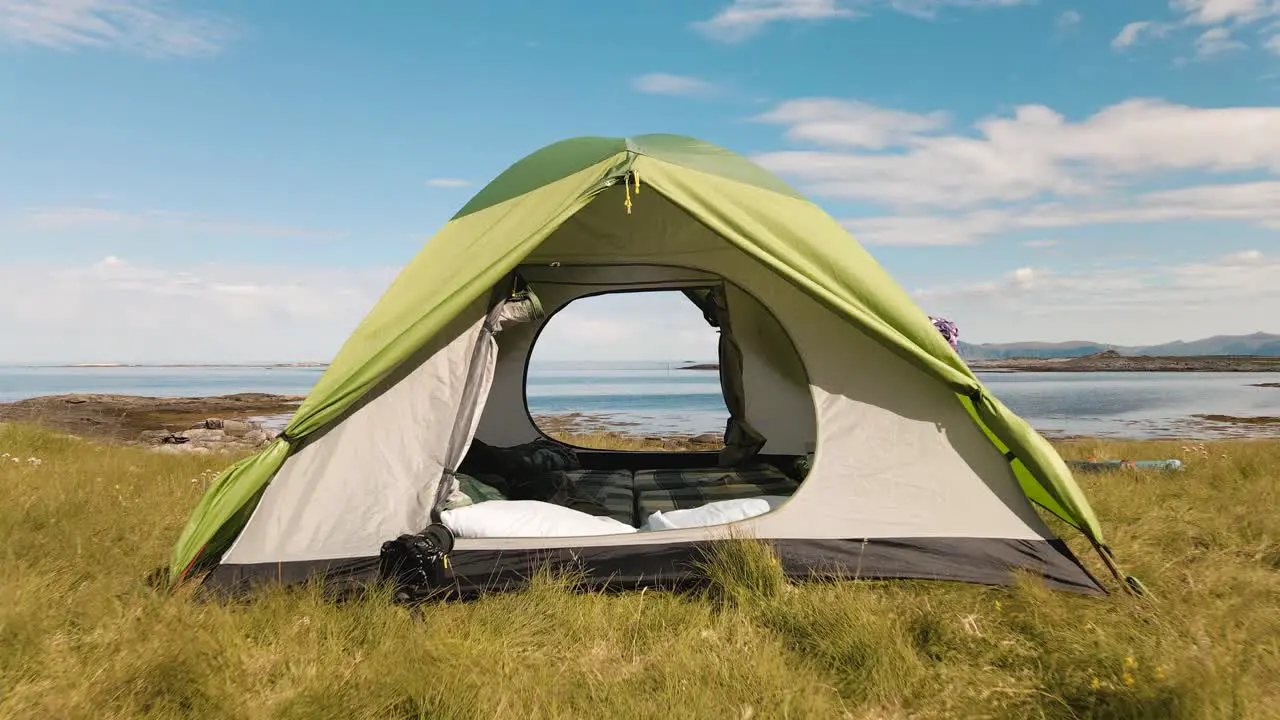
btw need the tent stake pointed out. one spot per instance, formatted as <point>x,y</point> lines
<point>1130,583</point>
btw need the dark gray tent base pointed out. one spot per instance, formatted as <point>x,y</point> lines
<point>983,561</point>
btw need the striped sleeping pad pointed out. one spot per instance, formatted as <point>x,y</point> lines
<point>664,490</point>
<point>608,488</point>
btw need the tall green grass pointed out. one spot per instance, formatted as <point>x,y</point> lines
<point>82,634</point>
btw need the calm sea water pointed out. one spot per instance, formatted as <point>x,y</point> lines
<point>658,397</point>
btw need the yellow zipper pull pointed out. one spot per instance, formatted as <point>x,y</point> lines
<point>636,175</point>
<point>627,185</point>
<point>445,559</point>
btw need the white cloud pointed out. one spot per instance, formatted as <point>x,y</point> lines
<point>849,123</point>
<point>62,219</point>
<point>612,327</point>
<point>927,230</point>
<point>1216,41</point>
<point>929,9</point>
<point>1130,34</point>
<point>1213,12</point>
<point>119,311</point>
<point>1034,152</point>
<point>1068,20</point>
<point>1273,43</point>
<point>1041,244</point>
<point>1153,304</point>
<point>1024,277</point>
<point>146,27</point>
<point>743,19</point>
<point>1246,257</point>
<point>87,218</point>
<point>1222,18</point>
<point>678,85</point>
<point>1256,203</point>
<point>448,183</point>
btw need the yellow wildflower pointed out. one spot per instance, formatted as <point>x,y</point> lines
<point>1129,662</point>
<point>1095,684</point>
<point>1128,679</point>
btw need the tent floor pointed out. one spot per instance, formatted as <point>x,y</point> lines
<point>987,561</point>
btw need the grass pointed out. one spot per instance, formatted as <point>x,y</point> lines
<point>609,440</point>
<point>81,634</point>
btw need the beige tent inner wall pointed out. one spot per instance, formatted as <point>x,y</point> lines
<point>374,475</point>
<point>897,455</point>
<point>779,404</point>
<point>778,401</point>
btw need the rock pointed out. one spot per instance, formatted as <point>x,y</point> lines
<point>237,427</point>
<point>202,435</point>
<point>707,439</point>
<point>255,437</point>
<point>203,448</point>
<point>211,424</point>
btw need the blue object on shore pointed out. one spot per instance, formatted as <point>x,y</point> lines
<point>1099,465</point>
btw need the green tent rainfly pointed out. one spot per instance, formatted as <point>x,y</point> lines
<point>911,457</point>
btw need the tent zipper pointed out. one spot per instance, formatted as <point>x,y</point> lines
<point>627,179</point>
<point>459,437</point>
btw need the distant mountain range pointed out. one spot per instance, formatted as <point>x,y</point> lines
<point>1259,344</point>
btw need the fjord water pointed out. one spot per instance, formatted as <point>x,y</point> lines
<point>653,397</point>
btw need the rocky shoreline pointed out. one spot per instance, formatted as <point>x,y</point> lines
<point>582,428</point>
<point>1115,362</point>
<point>1112,361</point>
<point>246,422</point>
<point>223,423</point>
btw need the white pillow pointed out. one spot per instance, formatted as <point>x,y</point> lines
<point>714,513</point>
<point>527,518</point>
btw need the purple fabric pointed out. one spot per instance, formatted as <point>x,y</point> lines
<point>948,330</point>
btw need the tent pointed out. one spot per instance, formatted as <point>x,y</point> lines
<point>914,469</point>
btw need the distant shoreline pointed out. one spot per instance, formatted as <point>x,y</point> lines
<point>1101,362</point>
<point>1114,362</point>
<point>130,417</point>
<point>1110,362</point>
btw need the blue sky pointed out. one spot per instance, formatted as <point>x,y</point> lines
<point>240,180</point>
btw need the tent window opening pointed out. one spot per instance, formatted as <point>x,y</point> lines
<point>651,410</point>
<point>628,371</point>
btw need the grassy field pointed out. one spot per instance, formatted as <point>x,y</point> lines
<point>81,635</point>
<point>608,440</point>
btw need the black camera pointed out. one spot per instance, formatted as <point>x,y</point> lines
<point>416,563</point>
